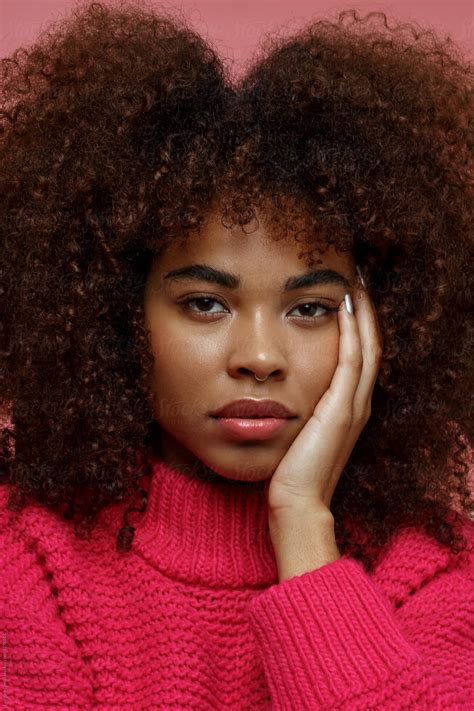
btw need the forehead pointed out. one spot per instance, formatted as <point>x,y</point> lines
<point>255,253</point>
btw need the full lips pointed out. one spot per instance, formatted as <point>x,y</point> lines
<point>243,428</point>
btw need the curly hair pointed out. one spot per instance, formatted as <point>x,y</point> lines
<point>120,128</point>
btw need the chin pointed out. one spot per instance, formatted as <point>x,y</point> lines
<point>243,475</point>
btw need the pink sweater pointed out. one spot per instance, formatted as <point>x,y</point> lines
<point>194,616</point>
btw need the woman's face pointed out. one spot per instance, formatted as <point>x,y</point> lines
<point>208,351</point>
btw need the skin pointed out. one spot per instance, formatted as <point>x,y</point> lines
<point>302,527</point>
<point>206,353</point>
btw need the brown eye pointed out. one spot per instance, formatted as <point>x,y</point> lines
<point>315,305</point>
<point>205,304</point>
<point>203,300</point>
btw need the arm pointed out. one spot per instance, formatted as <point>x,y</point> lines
<point>41,664</point>
<point>329,638</point>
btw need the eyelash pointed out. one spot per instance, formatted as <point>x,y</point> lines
<point>328,309</point>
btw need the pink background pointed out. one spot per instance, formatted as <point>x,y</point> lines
<point>235,26</point>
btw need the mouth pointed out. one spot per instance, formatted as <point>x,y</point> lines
<point>253,408</point>
<point>253,427</point>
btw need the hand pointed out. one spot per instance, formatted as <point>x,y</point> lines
<point>307,475</point>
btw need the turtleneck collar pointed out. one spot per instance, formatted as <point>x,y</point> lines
<point>206,531</point>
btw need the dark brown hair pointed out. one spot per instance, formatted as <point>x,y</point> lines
<point>119,128</point>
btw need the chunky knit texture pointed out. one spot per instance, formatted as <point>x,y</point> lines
<point>194,616</point>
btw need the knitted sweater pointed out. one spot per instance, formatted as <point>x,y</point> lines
<point>193,617</point>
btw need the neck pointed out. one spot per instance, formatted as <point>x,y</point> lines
<point>200,527</point>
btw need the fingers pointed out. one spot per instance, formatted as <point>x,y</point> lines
<point>360,351</point>
<point>371,344</point>
<point>346,377</point>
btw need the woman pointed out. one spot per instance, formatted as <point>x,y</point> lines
<point>174,242</point>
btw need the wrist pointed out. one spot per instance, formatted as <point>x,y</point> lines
<point>283,520</point>
<point>303,541</point>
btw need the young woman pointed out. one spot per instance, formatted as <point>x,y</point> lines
<point>236,473</point>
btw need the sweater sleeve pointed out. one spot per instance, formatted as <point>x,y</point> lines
<point>330,639</point>
<point>42,667</point>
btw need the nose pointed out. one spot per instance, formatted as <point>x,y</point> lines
<point>258,354</point>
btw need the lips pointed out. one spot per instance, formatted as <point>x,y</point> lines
<point>252,408</point>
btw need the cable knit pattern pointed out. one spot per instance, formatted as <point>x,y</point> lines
<point>193,617</point>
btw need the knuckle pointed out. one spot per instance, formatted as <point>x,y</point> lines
<point>374,356</point>
<point>343,420</point>
<point>363,415</point>
<point>355,360</point>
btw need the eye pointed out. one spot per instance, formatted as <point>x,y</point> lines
<point>201,299</point>
<point>207,302</point>
<point>316,304</point>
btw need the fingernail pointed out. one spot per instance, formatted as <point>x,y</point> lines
<point>360,276</point>
<point>348,301</point>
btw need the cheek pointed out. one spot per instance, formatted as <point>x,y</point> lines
<point>180,377</point>
<point>318,365</point>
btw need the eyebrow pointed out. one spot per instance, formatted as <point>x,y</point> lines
<point>204,272</point>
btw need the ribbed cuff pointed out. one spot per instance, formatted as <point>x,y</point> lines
<point>325,633</point>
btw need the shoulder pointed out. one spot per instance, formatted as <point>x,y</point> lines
<point>40,520</point>
<point>39,537</point>
<point>413,558</point>
<point>45,663</point>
